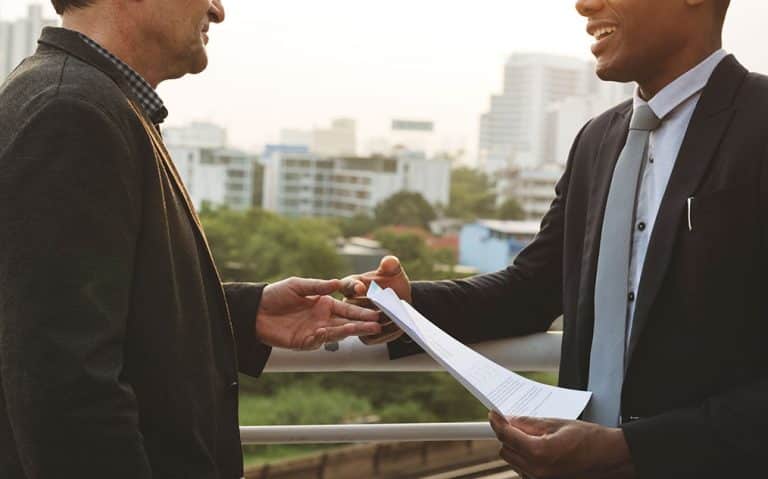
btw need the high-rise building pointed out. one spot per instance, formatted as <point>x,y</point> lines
<point>300,183</point>
<point>196,135</point>
<point>18,39</point>
<point>214,174</point>
<point>516,131</point>
<point>340,139</point>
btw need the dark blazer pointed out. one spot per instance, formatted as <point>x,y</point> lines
<point>117,340</point>
<point>697,374</point>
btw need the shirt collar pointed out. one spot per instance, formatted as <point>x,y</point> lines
<point>148,98</point>
<point>683,88</point>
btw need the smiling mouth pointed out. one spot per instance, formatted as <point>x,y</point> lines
<point>602,33</point>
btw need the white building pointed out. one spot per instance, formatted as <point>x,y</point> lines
<point>517,130</point>
<point>406,135</point>
<point>566,117</point>
<point>18,39</point>
<point>533,188</point>
<point>196,135</point>
<point>340,139</point>
<point>300,183</point>
<point>213,174</point>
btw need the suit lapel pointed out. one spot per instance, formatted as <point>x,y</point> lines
<point>705,131</point>
<point>162,155</point>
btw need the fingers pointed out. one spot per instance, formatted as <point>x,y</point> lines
<point>314,287</point>
<point>518,462</point>
<point>353,312</point>
<point>353,286</point>
<point>534,426</point>
<point>390,266</point>
<point>330,334</point>
<point>510,436</point>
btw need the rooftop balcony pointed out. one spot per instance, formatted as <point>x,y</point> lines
<point>455,446</point>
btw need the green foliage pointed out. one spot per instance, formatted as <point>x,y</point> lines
<point>472,195</point>
<point>405,208</point>
<point>256,245</point>
<point>511,210</point>
<point>358,225</point>
<point>304,404</point>
<point>421,262</point>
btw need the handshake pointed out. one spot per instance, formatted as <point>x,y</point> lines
<point>299,314</point>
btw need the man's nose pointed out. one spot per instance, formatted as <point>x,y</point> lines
<point>588,8</point>
<point>216,12</point>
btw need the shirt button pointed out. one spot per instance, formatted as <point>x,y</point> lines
<point>651,159</point>
<point>641,226</point>
<point>631,296</point>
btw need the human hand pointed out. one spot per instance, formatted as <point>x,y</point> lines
<point>550,448</point>
<point>390,274</point>
<point>296,313</point>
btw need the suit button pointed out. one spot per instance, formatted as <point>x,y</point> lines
<point>234,385</point>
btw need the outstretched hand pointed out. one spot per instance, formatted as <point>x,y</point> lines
<point>390,274</point>
<point>297,313</point>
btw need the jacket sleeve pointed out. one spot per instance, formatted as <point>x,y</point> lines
<point>243,300</point>
<point>70,210</point>
<point>523,299</point>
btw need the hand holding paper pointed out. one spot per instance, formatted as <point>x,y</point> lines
<point>499,389</point>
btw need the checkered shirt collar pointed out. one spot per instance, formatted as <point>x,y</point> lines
<point>148,98</point>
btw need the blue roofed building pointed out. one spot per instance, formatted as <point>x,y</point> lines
<point>491,245</point>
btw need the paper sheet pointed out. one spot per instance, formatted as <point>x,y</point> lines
<point>496,387</point>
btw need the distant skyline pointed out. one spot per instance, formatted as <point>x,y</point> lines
<point>300,63</point>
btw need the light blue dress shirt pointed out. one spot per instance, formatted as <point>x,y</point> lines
<point>675,105</point>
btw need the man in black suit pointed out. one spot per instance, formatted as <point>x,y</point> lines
<point>119,344</point>
<point>689,367</point>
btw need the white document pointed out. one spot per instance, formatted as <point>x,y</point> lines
<point>499,389</point>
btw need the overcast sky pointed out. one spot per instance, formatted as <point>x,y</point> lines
<point>298,63</point>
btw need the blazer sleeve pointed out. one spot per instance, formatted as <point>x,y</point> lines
<point>524,298</point>
<point>70,207</point>
<point>725,436</point>
<point>243,300</point>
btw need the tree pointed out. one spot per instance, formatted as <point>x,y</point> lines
<point>511,210</point>
<point>407,209</point>
<point>358,225</point>
<point>472,195</point>
<point>256,245</point>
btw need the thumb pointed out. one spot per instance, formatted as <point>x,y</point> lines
<point>315,287</point>
<point>390,266</point>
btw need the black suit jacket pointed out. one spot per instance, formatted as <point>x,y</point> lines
<point>697,374</point>
<point>117,340</point>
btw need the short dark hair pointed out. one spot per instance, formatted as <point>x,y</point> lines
<point>62,6</point>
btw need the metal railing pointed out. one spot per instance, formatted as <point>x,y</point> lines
<point>539,352</point>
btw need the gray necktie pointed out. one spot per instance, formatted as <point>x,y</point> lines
<point>612,295</point>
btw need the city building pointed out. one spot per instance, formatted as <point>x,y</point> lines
<point>196,135</point>
<point>298,182</point>
<point>516,131</point>
<point>532,188</point>
<point>18,39</point>
<point>565,118</point>
<point>340,139</point>
<point>406,136</point>
<point>214,174</point>
<point>491,245</point>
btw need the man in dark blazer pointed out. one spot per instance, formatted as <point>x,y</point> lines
<point>694,394</point>
<point>119,345</point>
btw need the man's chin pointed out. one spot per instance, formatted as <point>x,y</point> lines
<point>610,72</point>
